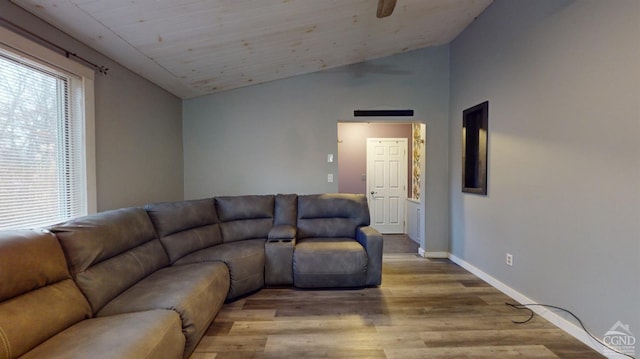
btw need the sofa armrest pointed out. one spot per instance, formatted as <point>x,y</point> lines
<point>371,240</point>
<point>282,232</point>
<point>278,252</point>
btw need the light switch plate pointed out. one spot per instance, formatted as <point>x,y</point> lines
<point>330,157</point>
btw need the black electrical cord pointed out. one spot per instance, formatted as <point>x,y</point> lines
<point>526,307</point>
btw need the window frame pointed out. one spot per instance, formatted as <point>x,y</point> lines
<point>32,52</point>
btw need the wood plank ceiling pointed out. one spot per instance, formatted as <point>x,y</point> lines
<point>196,47</point>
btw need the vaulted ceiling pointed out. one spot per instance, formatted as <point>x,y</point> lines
<point>196,47</point>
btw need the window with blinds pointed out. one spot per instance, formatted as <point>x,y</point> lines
<point>41,144</point>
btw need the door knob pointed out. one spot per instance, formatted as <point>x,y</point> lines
<point>372,193</point>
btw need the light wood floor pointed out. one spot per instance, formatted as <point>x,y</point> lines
<point>423,309</point>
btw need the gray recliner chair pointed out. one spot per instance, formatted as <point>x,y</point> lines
<point>335,247</point>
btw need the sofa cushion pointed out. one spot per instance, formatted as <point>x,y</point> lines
<point>195,291</point>
<point>286,210</point>
<point>329,262</point>
<point>110,251</point>
<point>38,297</point>
<point>29,260</point>
<point>331,215</point>
<point>245,260</point>
<point>185,227</point>
<point>245,217</point>
<point>148,334</point>
<point>282,232</point>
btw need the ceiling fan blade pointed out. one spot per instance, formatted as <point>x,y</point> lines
<point>385,8</point>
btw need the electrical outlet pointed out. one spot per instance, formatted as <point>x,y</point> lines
<point>509,259</point>
<point>330,177</point>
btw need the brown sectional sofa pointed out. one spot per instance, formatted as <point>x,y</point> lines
<point>147,282</point>
<point>43,313</point>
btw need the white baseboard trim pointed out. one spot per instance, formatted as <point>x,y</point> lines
<point>565,325</point>
<point>436,254</point>
<point>425,254</point>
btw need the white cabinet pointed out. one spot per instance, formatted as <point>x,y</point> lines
<point>413,219</point>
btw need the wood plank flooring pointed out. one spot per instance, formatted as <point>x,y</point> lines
<point>399,243</point>
<point>423,309</point>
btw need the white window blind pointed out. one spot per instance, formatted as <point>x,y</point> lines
<point>42,174</point>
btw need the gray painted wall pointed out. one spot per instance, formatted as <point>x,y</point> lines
<point>563,83</point>
<point>138,127</point>
<point>275,137</point>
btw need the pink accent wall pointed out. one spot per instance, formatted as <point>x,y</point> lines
<point>352,152</point>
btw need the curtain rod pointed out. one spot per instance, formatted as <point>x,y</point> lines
<point>21,30</point>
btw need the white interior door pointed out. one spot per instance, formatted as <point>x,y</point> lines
<point>387,183</point>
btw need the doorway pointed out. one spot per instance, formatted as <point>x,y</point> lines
<point>353,172</point>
